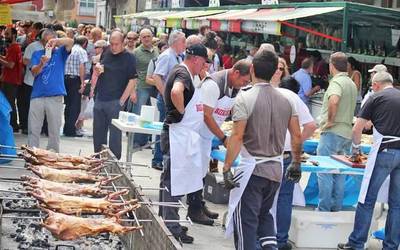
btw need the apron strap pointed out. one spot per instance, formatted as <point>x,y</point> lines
<point>277,158</point>
<point>392,139</point>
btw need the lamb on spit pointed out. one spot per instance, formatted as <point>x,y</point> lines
<point>64,175</point>
<point>55,164</point>
<point>67,227</point>
<point>66,188</point>
<point>78,205</point>
<point>49,156</point>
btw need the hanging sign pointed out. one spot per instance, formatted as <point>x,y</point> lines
<point>292,55</point>
<point>395,36</point>
<point>213,3</point>
<point>148,4</point>
<point>5,14</point>
<point>269,2</point>
<point>176,4</point>
<point>272,28</point>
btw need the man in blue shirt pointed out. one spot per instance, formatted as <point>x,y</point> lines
<point>303,76</point>
<point>48,89</point>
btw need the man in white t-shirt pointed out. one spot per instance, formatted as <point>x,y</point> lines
<point>26,87</point>
<point>289,87</point>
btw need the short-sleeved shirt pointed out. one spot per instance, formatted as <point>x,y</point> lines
<point>118,70</point>
<point>50,81</point>
<point>211,88</point>
<point>143,58</point>
<point>268,114</point>
<point>304,79</point>
<point>178,74</point>
<point>382,108</point>
<point>14,75</point>
<point>342,86</point>
<point>165,62</point>
<point>77,57</point>
<point>302,111</point>
<point>35,46</point>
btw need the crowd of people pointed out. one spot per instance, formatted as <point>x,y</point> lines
<point>49,70</point>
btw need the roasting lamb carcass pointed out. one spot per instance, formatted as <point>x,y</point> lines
<point>56,164</point>
<point>78,205</point>
<point>67,227</point>
<point>49,156</point>
<point>66,188</point>
<point>58,175</point>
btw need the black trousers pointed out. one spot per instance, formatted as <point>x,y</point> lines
<point>103,113</point>
<point>195,199</point>
<point>252,219</point>
<point>72,104</point>
<point>10,91</point>
<point>23,103</point>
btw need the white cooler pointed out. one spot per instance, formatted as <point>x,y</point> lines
<point>316,230</point>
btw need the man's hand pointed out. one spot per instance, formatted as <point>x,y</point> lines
<point>133,97</point>
<point>225,142</point>
<point>82,89</point>
<point>174,116</point>
<point>229,181</point>
<point>293,172</point>
<point>44,60</point>
<point>52,43</point>
<point>328,125</point>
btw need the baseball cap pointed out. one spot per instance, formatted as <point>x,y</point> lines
<point>198,50</point>
<point>378,68</point>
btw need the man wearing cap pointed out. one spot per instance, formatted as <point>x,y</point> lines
<point>377,68</point>
<point>218,92</point>
<point>382,108</point>
<point>180,139</point>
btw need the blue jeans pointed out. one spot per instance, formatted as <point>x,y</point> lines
<point>331,186</point>
<point>387,163</point>
<point>158,156</point>
<point>143,98</point>
<point>284,206</point>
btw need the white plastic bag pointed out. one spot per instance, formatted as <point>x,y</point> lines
<point>88,111</point>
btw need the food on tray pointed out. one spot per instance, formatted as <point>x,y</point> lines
<point>76,205</point>
<point>66,188</point>
<point>361,158</point>
<point>227,126</point>
<point>67,175</point>
<point>67,227</point>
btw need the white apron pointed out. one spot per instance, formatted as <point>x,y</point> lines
<point>185,150</point>
<point>247,165</point>
<point>384,190</point>
<point>221,112</point>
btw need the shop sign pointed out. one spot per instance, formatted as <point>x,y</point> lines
<point>218,25</point>
<point>148,4</point>
<point>234,26</point>
<point>176,4</point>
<point>269,2</point>
<point>270,27</point>
<point>5,14</point>
<point>213,3</point>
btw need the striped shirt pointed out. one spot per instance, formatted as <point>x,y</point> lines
<point>77,57</point>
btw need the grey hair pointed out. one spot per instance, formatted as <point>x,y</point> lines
<point>383,77</point>
<point>175,36</point>
<point>48,32</point>
<point>268,47</point>
<point>81,40</point>
<point>192,40</point>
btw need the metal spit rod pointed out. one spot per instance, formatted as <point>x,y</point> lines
<point>130,206</point>
<point>41,218</point>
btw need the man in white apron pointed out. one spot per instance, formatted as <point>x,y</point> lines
<point>218,92</point>
<point>382,108</point>
<point>261,118</point>
<point>180,139</point>
<point>289,87</point>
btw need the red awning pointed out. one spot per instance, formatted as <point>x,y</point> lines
<point>13,1</point>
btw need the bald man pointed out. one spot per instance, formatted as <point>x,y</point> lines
<point>116,83</point>
<point>143,54</point>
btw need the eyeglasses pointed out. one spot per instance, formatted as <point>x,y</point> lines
<point>132,38</point>
<point>281,69</point>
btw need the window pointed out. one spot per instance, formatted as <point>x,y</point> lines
<point>87,7</point>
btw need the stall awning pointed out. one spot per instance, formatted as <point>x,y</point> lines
<point>284,14</point>
<point>178,20</point>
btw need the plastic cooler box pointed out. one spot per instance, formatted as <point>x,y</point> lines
<point>317,230</point>
<point>213,189</point>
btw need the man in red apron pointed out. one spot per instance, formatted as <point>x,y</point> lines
<point>218,92</point>
<point>180,139</point>
<point>382,109</point>
<point>261,118</point>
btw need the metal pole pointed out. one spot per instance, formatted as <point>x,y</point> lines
<point>345,28</point>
